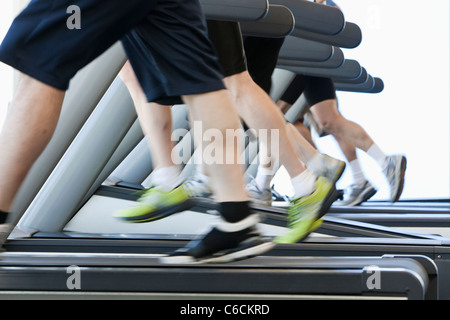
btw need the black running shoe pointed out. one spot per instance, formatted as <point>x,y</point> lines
<point>226,242</point>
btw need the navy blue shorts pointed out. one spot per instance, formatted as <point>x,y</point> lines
<point>173,40</point>
<point>40,44</point>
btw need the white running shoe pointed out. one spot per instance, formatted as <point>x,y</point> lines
<point>395,174</point>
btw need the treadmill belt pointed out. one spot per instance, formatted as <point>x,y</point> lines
<point>343,276</point>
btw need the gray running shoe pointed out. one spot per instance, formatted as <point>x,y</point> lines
<point>359,194</point>
<point>197,187</point>
<point>331,168</point>
<point>5,231</point>
<point>395,174</point>
<point>258,196</point>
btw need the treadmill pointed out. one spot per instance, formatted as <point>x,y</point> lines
<point>53,253</point>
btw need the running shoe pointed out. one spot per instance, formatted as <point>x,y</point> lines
<point>305,213</point>
<point>223,244</point>
<point>276,196</point>
<point>330,168</point>
<point>198,187</point>
<point>156,204</point>
<point>359,194</point>
<point>258,196</point>
<point>395,174</point>
<point>5,231</point>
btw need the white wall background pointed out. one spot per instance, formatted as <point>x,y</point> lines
<point>406,43</point>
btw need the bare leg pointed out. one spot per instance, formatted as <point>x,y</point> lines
<point>304,131</point>
<point>283,106</point>
<point>259,112</point>
<point>28,128</point>
<point>327,115</point>
<point>215,110</point>
<point>156,124</point>
<point>155,120</point>
<point>347,149</point>
<point>306,150</point>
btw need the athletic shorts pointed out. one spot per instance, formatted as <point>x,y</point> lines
<point>316,90</point>
<point>262,57</point>
<point>227,40</point>
<point>177,58</point>
<point>237,54</point>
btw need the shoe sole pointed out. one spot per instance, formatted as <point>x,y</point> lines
<point>402,180</point>
<point>330,198</point>
<point>316,225</point>
<point>161,213</point>
<point>236,255</point>
<point>362,198</point>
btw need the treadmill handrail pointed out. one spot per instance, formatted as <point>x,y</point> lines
<point>235,10</point>
<point>314,17</point>
<point>350,38</point>
<point>279,22</point>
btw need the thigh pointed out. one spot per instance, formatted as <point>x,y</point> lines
<point>171,53</point>
<point>326,111</point>
<point>40,43</point>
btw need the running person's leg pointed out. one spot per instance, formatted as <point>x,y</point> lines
<point>156,123</point>
<point>304,131</point>
<point>313,195</point>
<point>331,120</point>
<point>49,54</point>
<point>260,67</point>
<point>197,77</point>
<point>360,190</point>
<point>320,164</point>
<point>57,66</point>
<point>315,94</point>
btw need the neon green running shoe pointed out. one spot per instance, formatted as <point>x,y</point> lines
<point>157,204</point>
<point>305,213</point>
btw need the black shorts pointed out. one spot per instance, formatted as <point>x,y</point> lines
<point>262,57</point>
<point>227,40</point>
<point>176,59</point>
<point>257,55</point>
<point>316,90</point>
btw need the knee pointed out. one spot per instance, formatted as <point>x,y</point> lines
<point>329,124</point>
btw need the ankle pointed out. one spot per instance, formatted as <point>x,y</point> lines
<point>3,217</point>
<point>234,211</point>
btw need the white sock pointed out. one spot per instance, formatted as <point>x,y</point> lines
<point>167,178</point>
<point>304,184</point>
<point>357,173</point>
<point>263,178</point>
<point>378,155</point>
